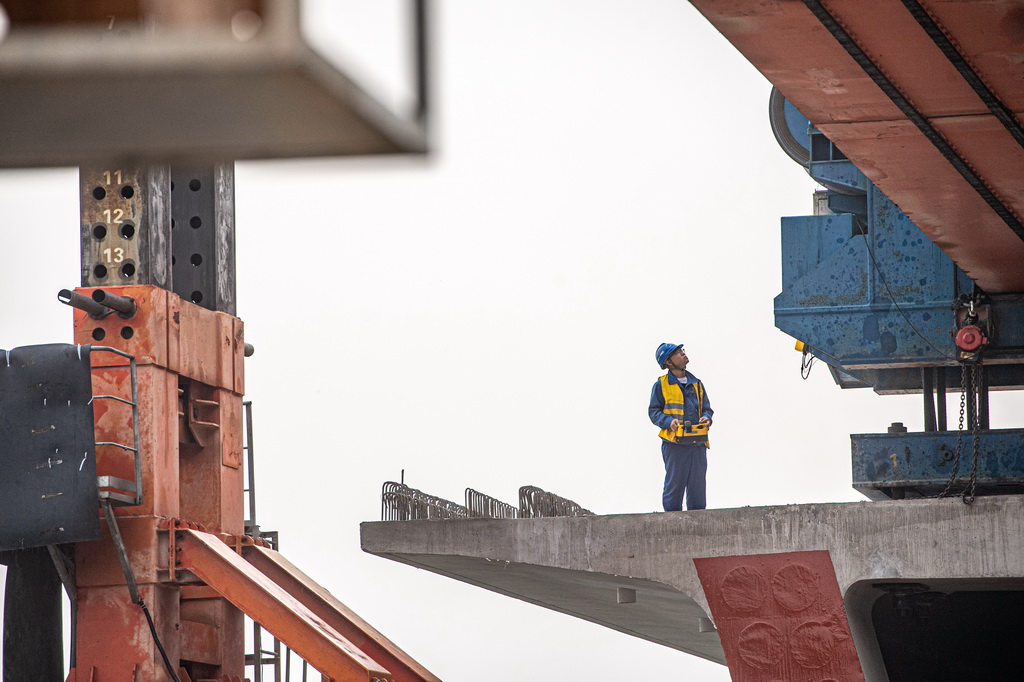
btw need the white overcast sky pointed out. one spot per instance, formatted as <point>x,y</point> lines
<point>603,179</point>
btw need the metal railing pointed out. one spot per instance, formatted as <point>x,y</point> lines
<point>284,664</point>
<point>278,657</point>
<point>250,473</point>
<point>112,488</point>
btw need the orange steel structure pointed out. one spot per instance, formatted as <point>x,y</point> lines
<point>163,594</point>
<point>795,50</point>
<point>184,544</point>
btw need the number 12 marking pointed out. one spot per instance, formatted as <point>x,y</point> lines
<point>114,217</point>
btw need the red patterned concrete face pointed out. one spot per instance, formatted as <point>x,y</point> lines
<point>780,617</point>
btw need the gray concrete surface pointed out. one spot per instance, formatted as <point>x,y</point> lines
<point>574,565</point>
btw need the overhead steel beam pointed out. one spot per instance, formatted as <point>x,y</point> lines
<point>963,66</point>
<point>805,61</point>
<point>922,123</point>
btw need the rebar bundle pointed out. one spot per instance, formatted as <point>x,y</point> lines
<point>535,503</point>
<point>399,502</point>
<point>485,506</point>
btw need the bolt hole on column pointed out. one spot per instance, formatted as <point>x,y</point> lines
<point>99,271</point>
<point>196,222</point>
<point>127,192</point>
<point>196,259</point>
<point>99,232</point>
<point>127,231</point>
<point>128,270</point>
<point>99,194</point>
<point>195,185</point>
<point>197,297</point>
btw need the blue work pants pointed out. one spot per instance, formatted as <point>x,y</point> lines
<point>686,468</point>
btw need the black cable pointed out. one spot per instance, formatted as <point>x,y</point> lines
<point>892,298</point>
<point>156,638</point>
<point>129,576</point>
<point>916,117</point>
<point>806,364</point>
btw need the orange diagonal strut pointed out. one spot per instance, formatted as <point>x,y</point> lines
<point>271,606</point>
<point>341,618</point>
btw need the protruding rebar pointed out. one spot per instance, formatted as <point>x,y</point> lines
<point>76,300</point>
<point>124,306</point>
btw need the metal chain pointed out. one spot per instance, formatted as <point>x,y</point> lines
<point>959,433</point>
<point>968,496</point>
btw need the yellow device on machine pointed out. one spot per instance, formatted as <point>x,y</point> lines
<point>692,434</point>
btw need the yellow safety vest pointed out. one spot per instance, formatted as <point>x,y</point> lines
<point>675,404</point>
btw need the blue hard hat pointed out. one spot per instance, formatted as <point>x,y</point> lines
<point>665,350</point>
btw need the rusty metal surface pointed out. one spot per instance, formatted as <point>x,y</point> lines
<point>279,612</point>
<point>536,503</point>
<point>124,210</point>
<point>201,344</point>
<point>157,463</point>
<point>212,465</point>
<point>401,503</point>
<point>345,621</point>
<point>780,617</point>
<point>97,564</point>
<point>793,49</point>
<point>481,505</point>
<point>125,651</point>
<point>174,342</point>
<point>116,489</point>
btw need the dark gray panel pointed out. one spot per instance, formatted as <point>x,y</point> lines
<point>203,235</point>
<point>48,491</point>
<point>32,626</point>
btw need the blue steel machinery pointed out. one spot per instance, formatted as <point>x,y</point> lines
<point>868,293</point>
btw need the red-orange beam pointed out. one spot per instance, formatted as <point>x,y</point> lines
<point>798,54</point>
<point>345,621</point>
<point>272,607</point>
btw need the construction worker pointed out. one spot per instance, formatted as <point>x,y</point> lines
<point>679,397</point>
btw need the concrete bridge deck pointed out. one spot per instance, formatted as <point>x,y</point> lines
<point>584,566</point>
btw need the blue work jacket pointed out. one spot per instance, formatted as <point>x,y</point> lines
<point>693,411</point>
